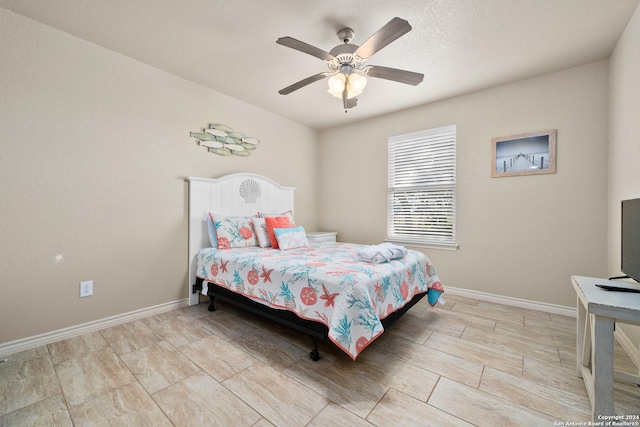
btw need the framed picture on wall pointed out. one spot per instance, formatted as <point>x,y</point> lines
<point>531,153</point>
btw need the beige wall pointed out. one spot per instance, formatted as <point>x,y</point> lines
<point>94,151</point>
<point>624,139</point>
<point>520,237</point>
<point>95,147</point>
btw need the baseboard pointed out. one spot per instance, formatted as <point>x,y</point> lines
<point>28,343</point>
<point>516,302</point>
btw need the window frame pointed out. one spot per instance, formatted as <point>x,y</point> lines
<point>435,187</point>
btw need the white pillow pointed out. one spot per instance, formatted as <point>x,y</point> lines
<point>288,214</point>
<point>290,238</point>
<point>260,227</point>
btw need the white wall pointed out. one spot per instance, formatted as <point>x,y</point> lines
<point>624,144</point>
<point>95,147</point>
<point>520,237</point>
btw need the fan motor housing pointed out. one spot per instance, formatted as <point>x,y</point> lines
<point>343,49</point>
<point>344,57</point>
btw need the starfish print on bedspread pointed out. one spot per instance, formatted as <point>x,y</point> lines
<point>328,297</point>
<point>266,274</point>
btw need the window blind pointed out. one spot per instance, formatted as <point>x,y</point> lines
<point>422,187</point>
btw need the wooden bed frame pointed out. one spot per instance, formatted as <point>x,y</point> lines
<point>244,194</point>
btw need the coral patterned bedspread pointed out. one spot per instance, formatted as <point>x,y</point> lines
<point>325,282</point>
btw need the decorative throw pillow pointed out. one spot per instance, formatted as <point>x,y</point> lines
<point>289,238</point>
<point>211,229</point>
<point>276,222</point>
<point>234,231</point>
<point>260,227</point>
<point>288,214</point>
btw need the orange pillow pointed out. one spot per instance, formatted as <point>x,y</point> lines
<point>276,222</point>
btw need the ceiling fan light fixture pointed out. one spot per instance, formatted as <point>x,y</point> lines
<point>355,84</point>
<point>336,84</point>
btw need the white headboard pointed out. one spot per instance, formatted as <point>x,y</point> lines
<point>238,194</point>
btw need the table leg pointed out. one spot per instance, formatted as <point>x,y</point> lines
<point>602,365</point>
<point>580,325</point>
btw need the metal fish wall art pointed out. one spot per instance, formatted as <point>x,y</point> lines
<point>224,141</point>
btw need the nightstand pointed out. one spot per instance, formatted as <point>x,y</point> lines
<point>321,236</point>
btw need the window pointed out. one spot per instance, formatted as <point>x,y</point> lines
<point>422,188</point>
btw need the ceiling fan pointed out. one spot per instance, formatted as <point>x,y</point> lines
<point>347,71</point>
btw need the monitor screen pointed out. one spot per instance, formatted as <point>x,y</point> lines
<point>631,238</point>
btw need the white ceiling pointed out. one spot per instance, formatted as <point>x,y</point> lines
<point>229,45</point>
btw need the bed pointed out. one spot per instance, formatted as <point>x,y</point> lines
<point>325,290</point>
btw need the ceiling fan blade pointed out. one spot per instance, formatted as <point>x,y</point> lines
<point>305,47</point>
<point>391,31</point>
<point>302,83</point>
<point>402,76</point>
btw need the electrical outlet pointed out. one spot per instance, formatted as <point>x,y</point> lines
<point>86,288</point>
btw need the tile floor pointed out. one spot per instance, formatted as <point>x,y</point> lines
<point>468,363</point>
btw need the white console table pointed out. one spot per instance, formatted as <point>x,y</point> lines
<point>598,311</point>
